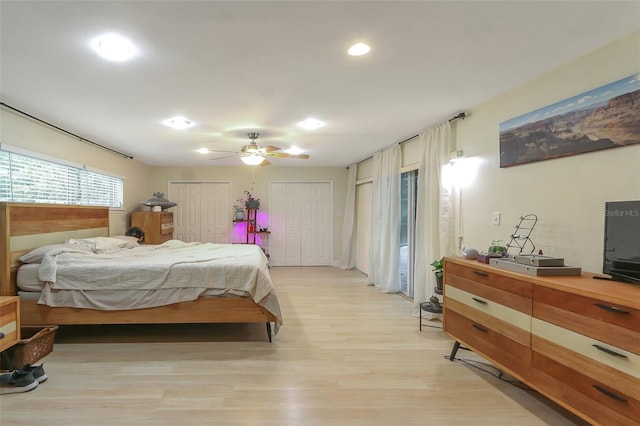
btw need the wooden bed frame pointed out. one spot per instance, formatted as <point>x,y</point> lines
<point>24,227</point>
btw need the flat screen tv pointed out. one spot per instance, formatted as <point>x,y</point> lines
<point>622,241</point>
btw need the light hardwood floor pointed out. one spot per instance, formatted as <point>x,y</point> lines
<point>346,355</point>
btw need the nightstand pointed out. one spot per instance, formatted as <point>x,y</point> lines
<point>9,321</point>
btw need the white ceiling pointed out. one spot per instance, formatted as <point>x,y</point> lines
<point>239,66</point>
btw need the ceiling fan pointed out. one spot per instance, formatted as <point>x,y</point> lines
<point>254,154</point>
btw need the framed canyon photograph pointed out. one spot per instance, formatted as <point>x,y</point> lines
<point>602,118</point>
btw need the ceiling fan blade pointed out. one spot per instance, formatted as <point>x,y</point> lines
<point>285,155</point>
<point>222,158</point>
<point>270,148</point>
<point>265,162</point>
<point>215,150</point>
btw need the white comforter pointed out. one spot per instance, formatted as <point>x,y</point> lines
<point>236,268</point>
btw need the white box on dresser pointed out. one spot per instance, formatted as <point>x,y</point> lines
<point>574,339</point>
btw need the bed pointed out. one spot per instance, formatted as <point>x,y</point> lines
<point>25,227</point>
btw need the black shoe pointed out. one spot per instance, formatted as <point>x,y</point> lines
<point>16,382</point>
<point>37,370</point>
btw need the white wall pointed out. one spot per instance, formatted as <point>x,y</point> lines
<point>244,178</point>
<point>567,194</point>
<point>141,181</point>
<point>17,130</point>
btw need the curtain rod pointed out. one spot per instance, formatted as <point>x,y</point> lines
<point>460,115</point>
<point>65,131</point>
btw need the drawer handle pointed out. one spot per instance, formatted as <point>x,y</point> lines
<point>480,328</point>
<point>609,393</point>
<point>609,351</point>
<point>1,335</point>
<point>484,302</point>
<point>482,274</point>
<point>611,308</point>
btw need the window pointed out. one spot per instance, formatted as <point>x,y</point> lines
<point>29,179</point>
<point>409,195</point>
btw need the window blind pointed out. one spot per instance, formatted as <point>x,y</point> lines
<point>28,179</point>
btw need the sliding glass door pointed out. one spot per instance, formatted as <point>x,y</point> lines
<point>409,193</point>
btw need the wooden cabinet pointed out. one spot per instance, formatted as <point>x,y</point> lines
<point>9,321</point>
<point>157,226</point>
<point>574,339</point>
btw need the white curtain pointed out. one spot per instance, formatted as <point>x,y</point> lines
<point>434,211</point>
<point>349,243</point>
<point>384,250</point>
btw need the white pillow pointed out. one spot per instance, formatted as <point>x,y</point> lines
<point>36,255</point>
<point>100,244</point>
<point>132,242</point>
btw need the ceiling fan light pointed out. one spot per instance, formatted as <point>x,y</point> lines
<point>252,159</point>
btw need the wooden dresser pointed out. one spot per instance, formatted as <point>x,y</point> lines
<point>157,226</point>
<point>576,340</point>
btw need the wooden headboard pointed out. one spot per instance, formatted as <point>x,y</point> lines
<point>24,227</point>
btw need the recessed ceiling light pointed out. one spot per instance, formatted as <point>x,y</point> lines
<point>203,151</point>
<point>359,49</point>
<point>178,123</point>
<point>294,150</point>
<point>113,47</point>
<point>311,124</point>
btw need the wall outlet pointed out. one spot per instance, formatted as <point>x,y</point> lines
<point>495,218</point>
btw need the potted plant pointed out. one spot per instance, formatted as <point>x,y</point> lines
<point>437,270</point>
<point>251,202</point>
<point>238,212</point>
<point>497,247</point>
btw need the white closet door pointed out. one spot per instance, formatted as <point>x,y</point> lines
<point>216,213</point>
<point>278,225</point>
<point>203,213</point>
<point>294,224</point>
<point>192,213</point>
<point>224,213</point>
<point>316,247</point>
<point>177,194</point>
<point>301,224</point>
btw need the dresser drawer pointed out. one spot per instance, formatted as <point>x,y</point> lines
<point>9,321</point>
<point>489,285</point>
<point>512,323</point>
<point>167,218</point>
<point>490,343</point>
<point>593,358</point>
<point>599,401</point>
<point>166,228</point>
<point>614,324</point>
